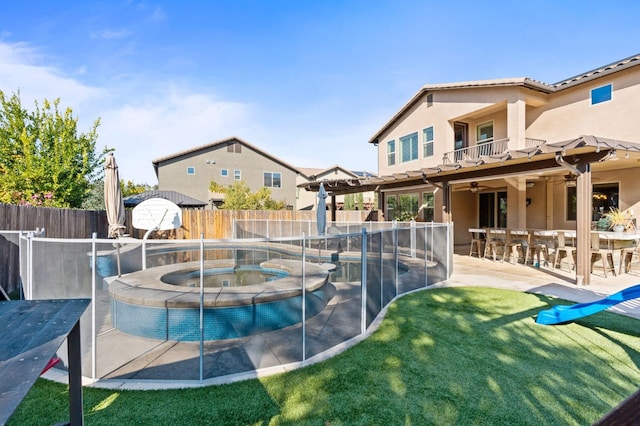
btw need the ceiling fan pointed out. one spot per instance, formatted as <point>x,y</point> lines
<point>473,187</point>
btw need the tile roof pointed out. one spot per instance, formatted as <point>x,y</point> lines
<point>526,82</point>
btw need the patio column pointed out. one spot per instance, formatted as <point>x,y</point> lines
<point>516,114</point>
<point>517,202</point>
<point>446,202</point>
<point>583,224</point>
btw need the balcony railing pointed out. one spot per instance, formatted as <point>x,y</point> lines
<point>532,143</point>
<point>475,152</point>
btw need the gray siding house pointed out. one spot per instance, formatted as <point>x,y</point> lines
<point>190,172</point>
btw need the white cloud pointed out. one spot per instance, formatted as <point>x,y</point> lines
<point>157,126</point>
<point>20,72</point>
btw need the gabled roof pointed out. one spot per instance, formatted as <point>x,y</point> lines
<point>177,198</point>
<point>313,173</point>
<point>524,82</point>
<point>217,144</point>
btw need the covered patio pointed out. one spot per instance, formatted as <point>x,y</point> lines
<point>572,161</point>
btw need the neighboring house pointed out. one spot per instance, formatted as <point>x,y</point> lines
<point>225,162</point>
<point>516,153</point>
<point>176,198</point>
<point>309,200</point>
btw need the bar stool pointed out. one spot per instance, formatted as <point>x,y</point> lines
<point>626,258</point>
<point>562,247</point>
<point>492,244</point>
<point>605,254</point>
<point>477,242</point>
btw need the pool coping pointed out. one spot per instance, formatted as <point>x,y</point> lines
<point>145,288</point>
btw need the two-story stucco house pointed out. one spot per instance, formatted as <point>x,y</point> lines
<point>514,153</point>
<point>189,172</point>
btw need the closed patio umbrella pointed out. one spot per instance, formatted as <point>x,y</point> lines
<point>113,203</point>
<point>321,213</point>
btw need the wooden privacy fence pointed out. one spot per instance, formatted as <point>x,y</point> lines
<point>74,224</point>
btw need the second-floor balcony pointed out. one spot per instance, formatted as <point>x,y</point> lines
<point>492,149</point>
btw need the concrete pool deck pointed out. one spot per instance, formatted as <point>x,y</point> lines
<point>137,363</point>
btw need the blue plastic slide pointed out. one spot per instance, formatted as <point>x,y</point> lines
<point>565,313</point>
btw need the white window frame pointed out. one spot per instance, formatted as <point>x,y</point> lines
<point>224,172</point>
<point>237,175</point>
<point>412,139</point>
<point>391,153</point>
<point>484,125</point>
<point>610,86</point>
<point>272,178</point>
<point>427,144</point>
<point>191,170</point>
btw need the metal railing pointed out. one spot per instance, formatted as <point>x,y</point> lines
<point>481,149</point>
<point>374,263</point>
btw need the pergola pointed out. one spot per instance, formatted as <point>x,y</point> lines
<point>575,156</point>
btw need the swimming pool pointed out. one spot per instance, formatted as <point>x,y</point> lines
<point>142,304</point>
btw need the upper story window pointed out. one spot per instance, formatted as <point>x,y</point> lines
<point>272,180</point>
<point>429,99</point>
<point>224,172</point>
<point>191,170</point>
<point>485,132</point>
<point>409,147</point>
<point>427,142</point>
<point>391,153</point>
<point>237,175</point>
<point>601,94</point>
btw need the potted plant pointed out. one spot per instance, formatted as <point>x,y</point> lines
<point>618,219</point>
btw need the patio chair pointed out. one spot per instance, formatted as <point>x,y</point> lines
<point>493,244</point>
<point>562,247</point>
<point>477,243</point>
<point>604,253</point>
<point>627,255</point>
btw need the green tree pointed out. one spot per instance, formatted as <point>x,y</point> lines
<point>238,196</point>
<point>43,158</point>
<point>131,188</point>
<point>349,202</point>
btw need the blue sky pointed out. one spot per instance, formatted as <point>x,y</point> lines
<point>309,82</point>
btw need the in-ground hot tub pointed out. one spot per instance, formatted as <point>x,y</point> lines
<point>144,304</point>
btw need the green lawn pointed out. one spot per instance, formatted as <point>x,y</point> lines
<point>444,356</point>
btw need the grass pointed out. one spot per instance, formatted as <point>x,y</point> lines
<point>445,356</point>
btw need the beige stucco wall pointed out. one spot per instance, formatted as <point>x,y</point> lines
<point>569,112</point>
<point>172,174</point>
<point>518,113</point>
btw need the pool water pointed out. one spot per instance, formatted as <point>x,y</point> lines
<point>243,275</point>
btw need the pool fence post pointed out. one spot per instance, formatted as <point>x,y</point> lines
<point>94,339</point>
<point>381,260</point>
<point>201,307</point>
<point>363,275</point>
<point>304,300</point>
<point>396,260</point>
<point>412,225</point>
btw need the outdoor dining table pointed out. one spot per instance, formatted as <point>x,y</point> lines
<point>616,241</point>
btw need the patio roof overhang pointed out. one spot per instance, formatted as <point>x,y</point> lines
<point>581,150</point>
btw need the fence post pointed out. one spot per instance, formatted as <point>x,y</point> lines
<point>201,307</point>
<point>412,224</point>
<point>363,263</point>
<point>304,299</point>
<point>94,338</point>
